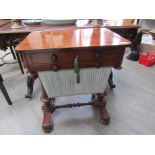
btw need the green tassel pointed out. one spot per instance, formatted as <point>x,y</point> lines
<point>77,70</point>
<point>77,78</point>
<point>76,66</point>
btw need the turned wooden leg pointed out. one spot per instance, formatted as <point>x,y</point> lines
<point>101,104</point>
<point>48,108</point>
<point>30,81</point>
<point>110,81</point>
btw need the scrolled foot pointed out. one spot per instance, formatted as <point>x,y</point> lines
<point>47,108</point>
<point>112,86</point>
<point>99,101</point>
<point>105,118</point>
<point>105,121</point>
<point>28,96</point>
<point>47,129</point>
<point>110,81</point>
<point>47,124</point>
<point>30,81</point>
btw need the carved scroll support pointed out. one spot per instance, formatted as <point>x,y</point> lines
<point>47,108</point>
<point>30,82</point>
<point>110,81</point>
<point>99,101</point>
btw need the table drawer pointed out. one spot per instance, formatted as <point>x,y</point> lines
<point>43,60</point>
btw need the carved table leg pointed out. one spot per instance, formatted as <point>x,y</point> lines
<point>30,81</point>
<point>101,104</point>
<point>110,81</point>
<point>48,108</point>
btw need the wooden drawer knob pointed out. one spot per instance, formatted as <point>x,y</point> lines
<point>54,59</point>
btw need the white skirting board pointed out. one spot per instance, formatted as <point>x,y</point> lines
<point>63,82</point>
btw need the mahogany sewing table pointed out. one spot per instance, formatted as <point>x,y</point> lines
<point>9,38</point>
<point>56,50</point>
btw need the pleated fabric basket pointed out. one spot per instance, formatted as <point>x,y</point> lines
<point>63,82</point>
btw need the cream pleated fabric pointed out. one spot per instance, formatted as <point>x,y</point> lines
<point>63,82</point>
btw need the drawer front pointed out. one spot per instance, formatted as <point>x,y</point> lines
<point>39,61</point>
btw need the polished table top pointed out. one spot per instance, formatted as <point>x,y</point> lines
<point>71,38</point>
<point>80,23</point>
